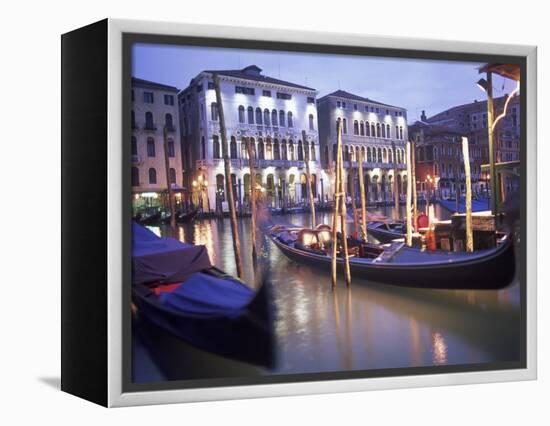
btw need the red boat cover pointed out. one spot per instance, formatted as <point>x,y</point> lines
<point>167,260</point>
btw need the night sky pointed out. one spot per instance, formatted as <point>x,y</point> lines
<point>413,84</point>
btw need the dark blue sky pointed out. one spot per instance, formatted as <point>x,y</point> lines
<point>413,84</point>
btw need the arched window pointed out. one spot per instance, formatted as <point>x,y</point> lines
<point>214,111</point>
<point>258,116</point>
<point>282,118</point>
<point>149,125</point>
<point>266,117</point>
<point>345,126</point>
<point>152,175</point>
<point>291,150</point>
<point>362,129</point>
<point>268,150</point>
<point>357,156</point>
<point>334,151</point>
<point>233,147</point>
<point>363,154</point>
<point>220,187</point>
<point>250,115</point>
<point>313,155</point>
<point>379,155</point>
<point>261,155</point>
<point>311,126</point>
<point>172,175</point>
<point>150,147</point>
<point>390,156</point>
<point>135,176</point>
<point>372,130</point>
<point>171,148</point>
<point>274,120</point>
<point>401,132</point>
<point>168,121</point>
<point>396,132</point>
<point>290,123</point>
<point>383,131</point>
<point>134,146</point>
<point>241,114</point>
<point>367,128</point>
<point>388,133</point>
<point>133,119</point>
<point>377,130</point>
<point>327,160</point>
<point>436,169</point>
<point>300,151</point>
<point>203,149</point>
<point>385,155</point>
<point>355,127</point>
<point>216,143</point>
<point>276,152</point>
<point>284,153</point>
<point>369,155</point>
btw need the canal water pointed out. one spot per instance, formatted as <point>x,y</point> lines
<point>370,325</point>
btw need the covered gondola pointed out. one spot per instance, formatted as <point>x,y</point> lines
<point>176,288</point>
<point>186,217</point>
<point>386,231</point>
<point>398,264</point>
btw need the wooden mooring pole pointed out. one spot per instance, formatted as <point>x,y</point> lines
<point>170,193</point>
<point>409,196</point>
<point>334,264</point>
<point>395,188</point>
<point>308,180</point>
<point>252,194</point>
<point>363,197</point>
<point>343,218</point>
<point>469,231</point>
<point>228,181</point>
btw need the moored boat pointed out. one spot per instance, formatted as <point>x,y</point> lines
<point>398,264</point>
<point>186,217</point>
<point>176,288</point>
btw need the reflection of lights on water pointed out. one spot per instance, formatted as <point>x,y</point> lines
<point>439,349</point>
<point>203,236</point>
<point>181,234</point>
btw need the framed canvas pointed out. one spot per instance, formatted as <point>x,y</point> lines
<point>252,213</point>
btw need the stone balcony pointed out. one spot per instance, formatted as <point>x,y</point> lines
<point>374,165</point>
<point>258,163</point>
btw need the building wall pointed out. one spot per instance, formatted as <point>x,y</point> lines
<point>206,162</point>
<point>142,161</point>
<point>379,172</point>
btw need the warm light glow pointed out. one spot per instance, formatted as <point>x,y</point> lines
<point>194,183</point>
<point>149,195</point>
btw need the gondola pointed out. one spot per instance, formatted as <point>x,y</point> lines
<point>398,264</point>
<point>386,231</point>
<point>186,217</point>
<point>148,218</point>
<point>176,288</point>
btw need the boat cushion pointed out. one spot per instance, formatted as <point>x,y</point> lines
<point>204,294</point>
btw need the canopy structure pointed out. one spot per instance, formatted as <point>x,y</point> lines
<point>164,260</point>
<point>511,71</point>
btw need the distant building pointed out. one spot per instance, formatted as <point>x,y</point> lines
<point>376,129</point>
<point>269,113</point>
<point>154,107</point>
<point>470,120</point>
<point>439,163</point>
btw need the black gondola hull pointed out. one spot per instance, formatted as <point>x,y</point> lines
<point>245,338</point>
<point>493,271</point>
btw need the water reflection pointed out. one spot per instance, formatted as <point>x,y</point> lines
<point>370,325</point>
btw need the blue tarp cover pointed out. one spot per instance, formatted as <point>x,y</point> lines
<point>167,260</point>
<point>203,294</point>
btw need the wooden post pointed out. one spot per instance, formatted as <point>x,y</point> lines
<point>228,181</point>
<point>168,184</point>
<point>353,204</point>
<point>395,188</point>
<point>308,181</point>
<point>414,189</point>
<point>409,196</point>
<point>469,231</point>
<point>336,204</point>
<point>343,219</point>
<point>252,194</point>
<point>363,197</point>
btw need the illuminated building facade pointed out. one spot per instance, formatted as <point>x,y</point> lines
<point>268,113</point>
<point>377,130</point>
